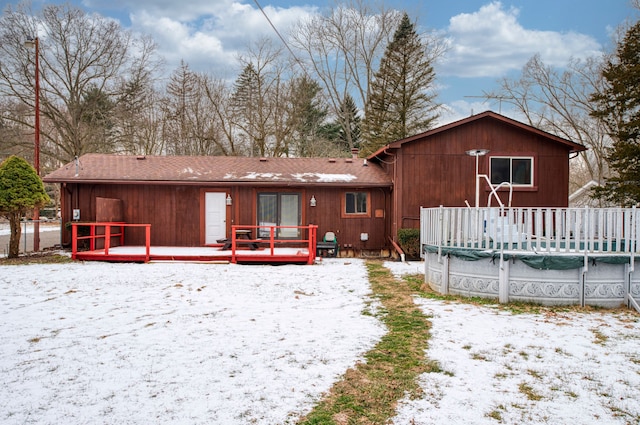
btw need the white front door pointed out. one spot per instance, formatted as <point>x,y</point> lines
<point>215,217</point>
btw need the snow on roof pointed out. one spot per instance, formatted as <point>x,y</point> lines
<point>222,169</point>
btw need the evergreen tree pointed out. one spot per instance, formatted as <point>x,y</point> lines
<point>181,111</point>
<point>96,109</point>
<point>21,190</point>
<point>306,115</point>
<point>246,104</point>
<point>344,132</point>
<point>400,103</point>
<point>350,119</point>
<point>618,106</point>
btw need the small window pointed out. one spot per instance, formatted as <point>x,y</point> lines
<point>515,170</point>
<point>356,203</point>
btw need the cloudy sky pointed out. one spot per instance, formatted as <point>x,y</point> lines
<point>488,39</point>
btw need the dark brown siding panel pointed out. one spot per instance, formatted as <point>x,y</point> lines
<point>176,212</point>
<point>437,171</point>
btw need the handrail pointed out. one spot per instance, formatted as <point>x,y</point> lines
<point>310,241</point>
<point>534,230</point>
<point>94,236</point>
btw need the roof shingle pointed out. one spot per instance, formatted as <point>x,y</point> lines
<point>101,168</point>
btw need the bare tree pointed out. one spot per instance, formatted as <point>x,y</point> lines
<point>342,49</point>
<point>258,100</point>
<point>559,102</point>
<point>137,116</point>
<point>221,114</point>
<point>79,54</point>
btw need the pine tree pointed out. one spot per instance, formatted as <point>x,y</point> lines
<point>618,106</point>
<point>344,131</point>
<point>247,103</point>
<point>306,115</point>
<point>400,103</point>
<point>182,95</point>
<point>21,190</point>
<point>350,120</point>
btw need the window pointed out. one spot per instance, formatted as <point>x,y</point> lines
<point>356,204</point>
<point>279,209</point>
<point>515,170</point>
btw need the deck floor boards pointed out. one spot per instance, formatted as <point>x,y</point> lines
<point>202,254</point>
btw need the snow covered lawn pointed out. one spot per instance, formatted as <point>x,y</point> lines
<point>551,368</point>
<point>177,343</point>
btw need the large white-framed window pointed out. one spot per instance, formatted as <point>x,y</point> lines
<point>356,204</point>
<point>517,170</point>
<point>279,209</point>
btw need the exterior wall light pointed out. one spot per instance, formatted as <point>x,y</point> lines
<point>312,202</point>
<point>229,201</point>
<point>477,153</point>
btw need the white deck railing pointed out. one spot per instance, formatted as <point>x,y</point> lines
<point>539,230</point>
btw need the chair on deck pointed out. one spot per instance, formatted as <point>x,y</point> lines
<point>329,244</point>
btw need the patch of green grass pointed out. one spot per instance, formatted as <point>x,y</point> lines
<point>528,391</point>
<point>36,258</point>
<point>368,393</point>
<point>571,394</point>
<point>534,373</point>
<point>599,337</point>
<point>496,413</point>
<point>480,356</point>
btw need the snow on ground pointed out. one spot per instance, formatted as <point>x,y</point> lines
<point>182,343</point>
<point>177,342</point>
<point>553,368</point>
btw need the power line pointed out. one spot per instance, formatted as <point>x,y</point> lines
<point>304,69</point>
<point>492,97</point>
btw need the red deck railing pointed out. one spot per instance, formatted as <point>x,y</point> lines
<point>102,236</point>
<point>307,239</point>
<point>106,236</point>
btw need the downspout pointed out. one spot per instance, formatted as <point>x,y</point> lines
<point>394,195</point>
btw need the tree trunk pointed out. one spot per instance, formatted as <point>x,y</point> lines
<point>14,240</point>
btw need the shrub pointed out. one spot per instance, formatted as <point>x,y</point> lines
<point>409,241</point>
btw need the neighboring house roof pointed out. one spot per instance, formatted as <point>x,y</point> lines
<point>572,146</point>
<point>100,168</point>
<point>582,196</point>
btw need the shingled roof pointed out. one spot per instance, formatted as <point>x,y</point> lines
<point>100,168</point>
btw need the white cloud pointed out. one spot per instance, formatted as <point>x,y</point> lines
<point>491,42</point>
<point>208,35</point>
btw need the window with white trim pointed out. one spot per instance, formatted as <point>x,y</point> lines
<point>511,169</point>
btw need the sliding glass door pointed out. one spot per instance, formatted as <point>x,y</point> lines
<point>279,209</point>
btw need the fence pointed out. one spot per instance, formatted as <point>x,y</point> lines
<point>572,236</point>
<point>551,230</point>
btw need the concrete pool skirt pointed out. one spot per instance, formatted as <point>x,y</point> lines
<point>547,279</point>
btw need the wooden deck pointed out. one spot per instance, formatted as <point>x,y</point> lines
<point>269,250</point>
<point>196,254</point>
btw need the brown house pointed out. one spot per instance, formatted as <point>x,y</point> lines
<point>194,201</point>
<point>439,167</point>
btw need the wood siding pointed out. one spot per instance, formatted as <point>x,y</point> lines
<point>176,212</point>
<point>437,171</point>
